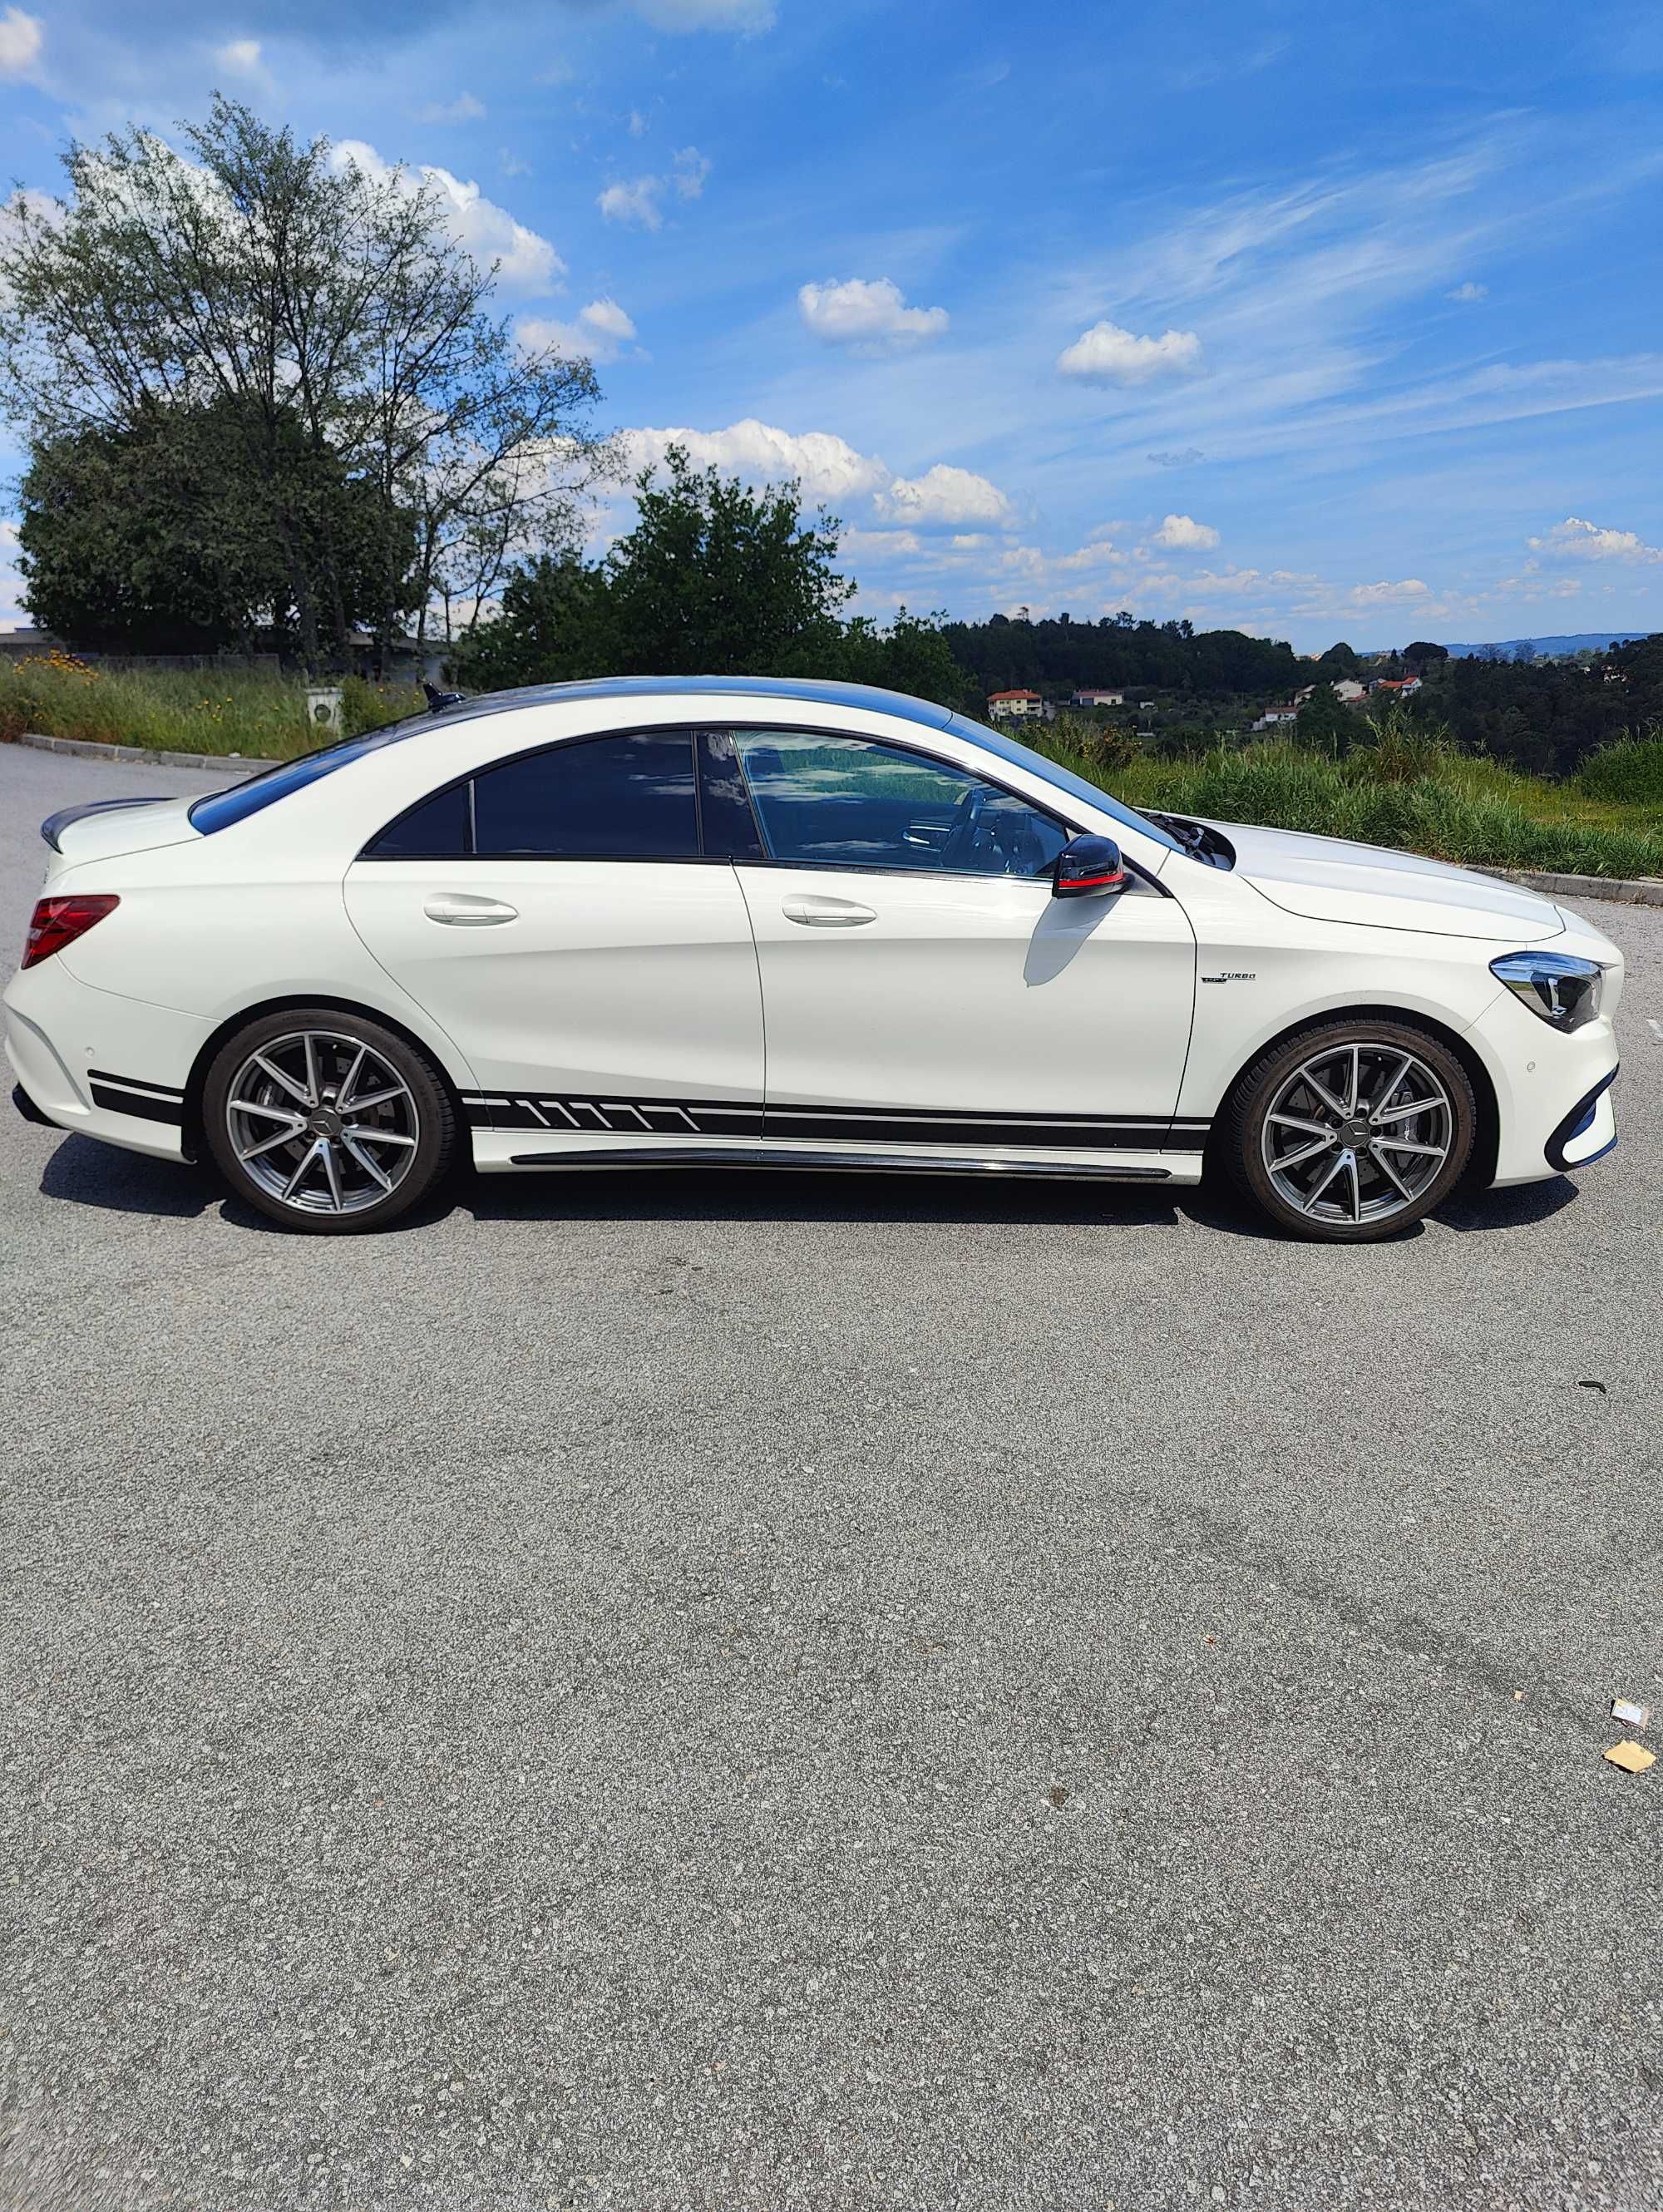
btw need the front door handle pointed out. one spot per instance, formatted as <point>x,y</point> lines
<point>465,910</point>
<point>827,913</point>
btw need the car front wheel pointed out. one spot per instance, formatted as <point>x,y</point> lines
<point>325,1121</point>
<point>1351,1131</point>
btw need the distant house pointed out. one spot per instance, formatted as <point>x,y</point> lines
<point>1096,698</point>
<point>1400,687</point>
<point>1015,706</point>
<point>1273,716</point>
<point>1348,689</point>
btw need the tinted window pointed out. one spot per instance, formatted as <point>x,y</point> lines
<point>604,799</point>
<point>222,808</point>
<point>437,829</point>
<point>846,802</point>
<point>1022,755</point>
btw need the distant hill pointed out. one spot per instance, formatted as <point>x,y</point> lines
<point>1590,640</point>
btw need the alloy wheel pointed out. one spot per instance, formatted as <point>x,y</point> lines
<point>1357,1133</point>
<point>322,1122</point>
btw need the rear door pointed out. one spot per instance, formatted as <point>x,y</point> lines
<point>558,916</point>
<point>920,983</point>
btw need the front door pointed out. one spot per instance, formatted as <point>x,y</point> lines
<point>556,914</point>
<point>921,984</point>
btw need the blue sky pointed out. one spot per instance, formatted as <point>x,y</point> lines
<point>1319,321</point>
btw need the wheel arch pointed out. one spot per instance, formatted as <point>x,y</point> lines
<point>1480,1170</point>
<point>211,1045</point>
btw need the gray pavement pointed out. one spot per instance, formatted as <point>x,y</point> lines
<point>720,1690</point>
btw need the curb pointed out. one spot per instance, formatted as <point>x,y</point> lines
<point>87,751</point>
<point>1623,890</point>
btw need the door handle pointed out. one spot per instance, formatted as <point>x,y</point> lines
<point>465,910</point>
<point>827,913</point>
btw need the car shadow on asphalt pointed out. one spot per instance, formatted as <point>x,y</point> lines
<point>82,1172</point>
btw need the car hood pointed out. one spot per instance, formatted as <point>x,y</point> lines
<point>1330,879</point>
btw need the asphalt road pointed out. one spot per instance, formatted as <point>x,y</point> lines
<point>732,1692</point>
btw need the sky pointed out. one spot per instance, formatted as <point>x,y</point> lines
<point>1314,321</point>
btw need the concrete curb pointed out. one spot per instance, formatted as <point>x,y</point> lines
<point>1624,891</point>
<point>87,751</point>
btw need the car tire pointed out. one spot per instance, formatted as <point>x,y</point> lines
<point>327,1121</point>
<point>1350,1131</point>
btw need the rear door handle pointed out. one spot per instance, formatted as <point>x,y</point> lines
<point>819,913</point>
<point>466,910</point>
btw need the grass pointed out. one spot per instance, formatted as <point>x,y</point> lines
<point>202,711</point>
<point>1407,791</point>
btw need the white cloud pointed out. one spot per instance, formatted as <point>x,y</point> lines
<point>688,169</point>
<point>707,15</point>
<point>1401,593</point>
<point>464,108</point>
<point>1469,291</point>
<point>1181,534</point>
<point>19,42</point>
<point>241,57</point>
<point>510,163</point>
<point>1575,540</point>
<point>601,331</point>
<point>637,123</point>
<point>528,262</point>
<point>827,466</point>
<point>639,200</point>
<point>872,313</point>
<point>942,495</point>
<point>1105,354</point>
<point>636,203</point>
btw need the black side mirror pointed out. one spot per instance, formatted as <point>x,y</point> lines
<point>1088,867</point>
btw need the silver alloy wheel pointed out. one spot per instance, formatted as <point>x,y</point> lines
<point>322,1122</point>
<point>1357,1133</point>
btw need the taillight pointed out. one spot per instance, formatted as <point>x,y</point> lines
<point>59,921</point>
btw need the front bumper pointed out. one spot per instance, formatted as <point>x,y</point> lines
<point>1553,1093</point>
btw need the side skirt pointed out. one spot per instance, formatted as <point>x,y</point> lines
<point>794,1156</point>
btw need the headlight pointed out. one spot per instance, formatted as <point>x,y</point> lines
<point>1560,986</point>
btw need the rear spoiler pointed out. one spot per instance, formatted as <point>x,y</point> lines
<point>55,825</point>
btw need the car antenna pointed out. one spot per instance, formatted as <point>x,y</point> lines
<point>438,700</point>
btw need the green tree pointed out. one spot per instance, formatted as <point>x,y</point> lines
<point>1424,654</point>
<point>717,579</point>
<point>911,655</point>
<point>1326,724</point>
<point>554,625</point>
<point>333,313</point>
<point>160,538</point>
<point>1339,660</point>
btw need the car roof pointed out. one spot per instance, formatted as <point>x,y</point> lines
<point>798,690</point>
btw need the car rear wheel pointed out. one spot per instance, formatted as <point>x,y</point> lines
<point>1351,1131</point>
<point>325,1121</point>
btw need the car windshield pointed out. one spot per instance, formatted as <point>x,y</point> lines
<point>222,808</point>
<point>1064,779</point>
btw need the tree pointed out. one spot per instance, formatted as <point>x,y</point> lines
<point>159,538</point>
<point>1421,655</point>
<point>911,655</point>
<point>1339,661</point>
<point>1326,723</point>
<point>554,624</point>
<point>331,314</point>
<point>717,579</point>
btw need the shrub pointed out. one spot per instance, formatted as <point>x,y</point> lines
<point>1630,773</point>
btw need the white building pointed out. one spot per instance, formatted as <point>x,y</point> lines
<point>1097,699</point>
<point>1016,706</point>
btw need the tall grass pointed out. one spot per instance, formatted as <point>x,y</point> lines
<point>1421,798</point>
<point>225,711</point>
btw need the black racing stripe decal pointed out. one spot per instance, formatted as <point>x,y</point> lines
<point>684,1117</point>
<point>134,1083</point>
<point>141,1105</point>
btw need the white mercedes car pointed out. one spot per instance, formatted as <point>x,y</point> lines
<point>749,923</point>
